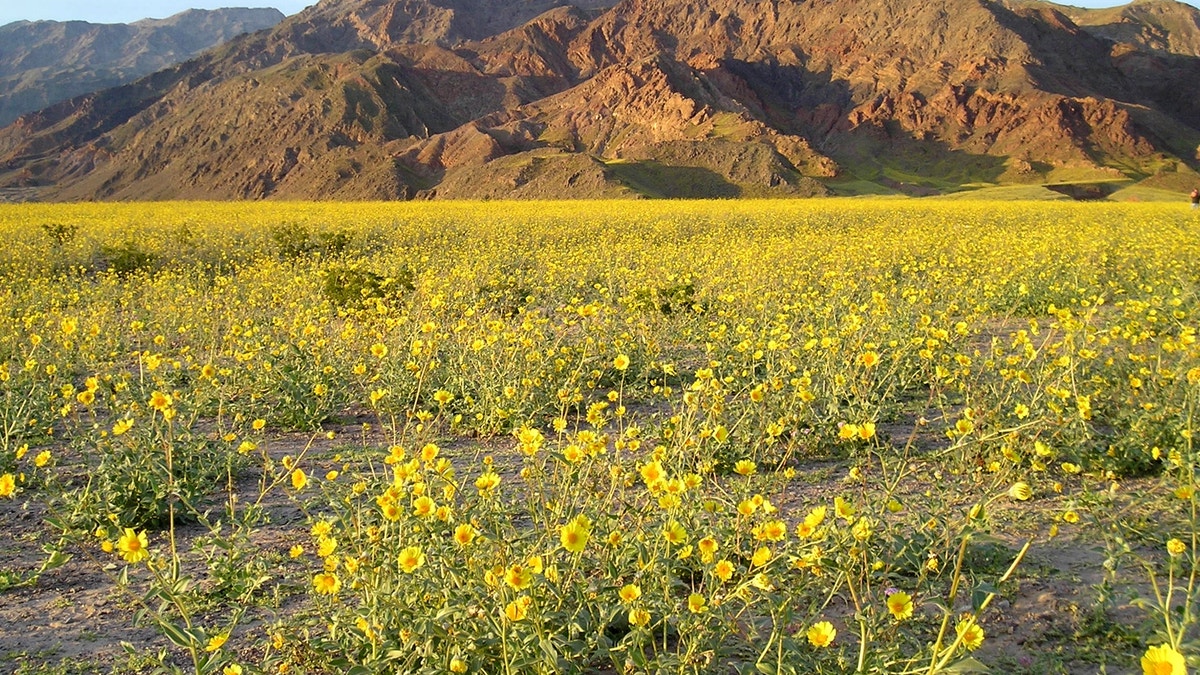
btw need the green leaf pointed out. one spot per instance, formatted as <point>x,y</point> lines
<point>980,594</point>
<point>176,634</point>
<point>9,580</point>
<point>57,559</point>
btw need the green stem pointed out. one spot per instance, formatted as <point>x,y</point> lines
<point>982,606</point>
<point>862,646</point>
<point>937,645</point>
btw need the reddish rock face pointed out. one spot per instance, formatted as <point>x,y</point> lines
<point>399,98</point>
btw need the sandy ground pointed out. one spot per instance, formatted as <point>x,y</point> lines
<point>74,619</point>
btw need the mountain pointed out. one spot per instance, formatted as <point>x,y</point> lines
<point>1170,27</point>
<point>45,62</point>
<point>385,99</point>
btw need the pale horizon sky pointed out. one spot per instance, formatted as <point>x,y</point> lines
<point>126,11</point>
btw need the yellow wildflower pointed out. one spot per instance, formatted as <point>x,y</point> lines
<point>464,534</point>
<point>629,593</point>
<point>410,559</point>
<point>216,642</point>
<point>160,401</point>
<point>723,570</point>
<point>745,467</point>
<point>519,577</point>
<point>327,583</point>
<point>574,535</point>
<point>133,546</point>
<point>821,634</point>
<point>1163,660</point>
<point>970,633</point>
<point>900,605</point>
<point>518,609</point>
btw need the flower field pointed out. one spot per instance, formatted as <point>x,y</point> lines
<point>732,437</point>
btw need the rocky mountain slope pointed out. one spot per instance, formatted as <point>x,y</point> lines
<point>45,62</point>
<point>1170,27</point>
<point>548,98</point>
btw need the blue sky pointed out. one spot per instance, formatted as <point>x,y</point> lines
<point>123,11</point>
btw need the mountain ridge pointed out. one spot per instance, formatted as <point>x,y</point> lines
<point>385,99</point>
<point>44,62</point>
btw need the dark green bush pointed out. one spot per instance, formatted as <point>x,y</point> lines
<point>293,241</point>
<point>125,259</point>
<point>345,286</point>
<point>60,233</point>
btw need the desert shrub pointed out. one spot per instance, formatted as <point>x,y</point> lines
<point>125,259</point>
<point>293,241</point>
<point>346,286</point>
<point>132,481</point>
<point>60,233</point>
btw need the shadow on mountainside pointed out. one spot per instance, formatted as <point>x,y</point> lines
<point>824,110</point>
<point>1169,83</point>
<point>654,179</point>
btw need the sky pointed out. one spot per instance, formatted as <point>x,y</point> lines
<point>125,11</point>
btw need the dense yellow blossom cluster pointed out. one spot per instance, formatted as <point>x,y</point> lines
<point>647,381</point>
